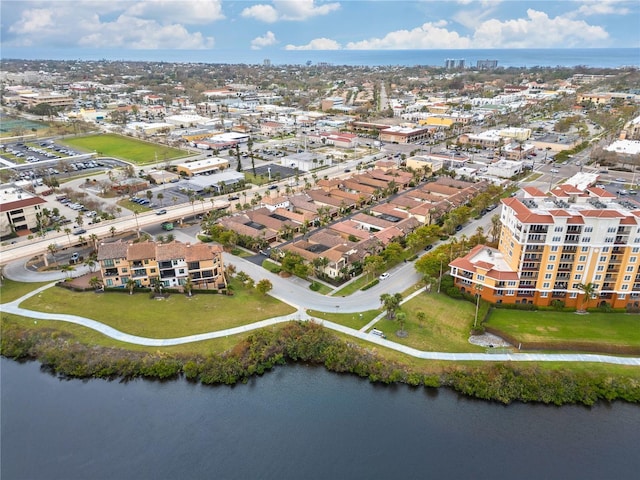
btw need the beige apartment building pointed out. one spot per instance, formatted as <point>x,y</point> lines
<point>551,244</point>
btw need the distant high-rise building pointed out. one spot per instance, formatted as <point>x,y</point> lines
<point>487,64</point>
<point>266,62</point>
<point>453,63</point>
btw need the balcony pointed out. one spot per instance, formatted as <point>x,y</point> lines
<point>534,248</point>
<point>538,229</point>
<point>563,276</point>
<point>567,258</point>
<point>564,267</point>
<point>621,240</point>
<point>536,239</point>
<point>165,265</point>
<point>111,272</point>
<point>139,273</point>
<point>137,263</point>
<point>558,294</point>
<point>560,285</point>
<point>465,274</point>
<point>532,257</point>
<point>569,249</point>
<point>571,238</point>
<point>572,229</point>
<point>167,273</point>
<point>623,230</point>
<point>606,295</point>
<point>525,293</point>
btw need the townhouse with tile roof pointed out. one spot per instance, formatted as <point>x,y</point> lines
<point>171,264</point>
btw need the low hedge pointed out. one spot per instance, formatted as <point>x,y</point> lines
<point>371,284</point>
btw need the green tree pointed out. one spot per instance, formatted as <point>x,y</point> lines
<point>131,285</point>
<point>588,290</point>
<point>391,303</point>
<point>264,286</point>
<point>95,283</point>
<point>188,286</point>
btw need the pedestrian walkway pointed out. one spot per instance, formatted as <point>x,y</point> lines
<point>301,315</point>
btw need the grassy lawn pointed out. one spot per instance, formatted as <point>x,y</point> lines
<point>10,290</point>
<point>271,266</point>
<point>550,326</point>
<point>533,176</point>
<point>445,326</point>
<point>133,206</point>
<point>138,315</point>
<point>132,150</point>
<point>351,320</point>
<point>323,289</point>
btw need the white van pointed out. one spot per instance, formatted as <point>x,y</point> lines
<point>377,333</point>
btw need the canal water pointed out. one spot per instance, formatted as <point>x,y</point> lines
<point>297,422</point>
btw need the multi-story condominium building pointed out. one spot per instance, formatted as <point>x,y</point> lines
<point>19,210</point>
<point>552,244</point>
<point>171,264</point>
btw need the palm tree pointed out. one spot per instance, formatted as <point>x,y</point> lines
<point>95,283</point>
<point>391,303</point>
<point>68,269</point>
<point>68,232</point>
<point>131,285</point>
<point>53,248</point>
<point>589,290</point>
<point>188,286</point>
<point>112,230</point>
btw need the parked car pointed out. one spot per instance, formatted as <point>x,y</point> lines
<point>384,276</point>
<point>161,212</point>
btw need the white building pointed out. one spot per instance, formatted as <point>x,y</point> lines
<point>505,168</point>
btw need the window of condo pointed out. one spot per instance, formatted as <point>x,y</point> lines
<point>585,249</point>
<point>625,287</point>
<point>556,239</point>
<point>550,267</point>
<point>600,268</point>
<point>632,259</point>
<point>552,258</point>
<point>544,294</point>
<point>622,296</point>
<point>545,285</point>
<point>603,259</point>
<point>554,248</point>
<point>630,269</point>
<point>585,240</point>
<point>627,278</point>
<point>582,258</point>
<point>573,295</point>
<point>547,276</point>
<point>577,277</point>
<point>588,229</point>
<point>635,250</point>
<point>580,268</point>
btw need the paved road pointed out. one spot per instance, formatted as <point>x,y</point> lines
<point>14,308</point>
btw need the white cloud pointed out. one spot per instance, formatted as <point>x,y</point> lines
<point>263,13</point>
<point>316,44</point>
<point>33,21</point>
<point>429,35</point>
<point>538,30</point>
<point>602,7</point>
<point>82,23</point>
<point>135,33</point>
<point>190,12</point>
<point>266,40</point>
<point>292,10</point>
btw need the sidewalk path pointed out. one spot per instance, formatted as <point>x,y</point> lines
<point>14,308</point>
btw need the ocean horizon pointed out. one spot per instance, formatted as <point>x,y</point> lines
<point>506,58</point>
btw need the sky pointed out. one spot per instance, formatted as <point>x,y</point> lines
<point>281,25</point>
